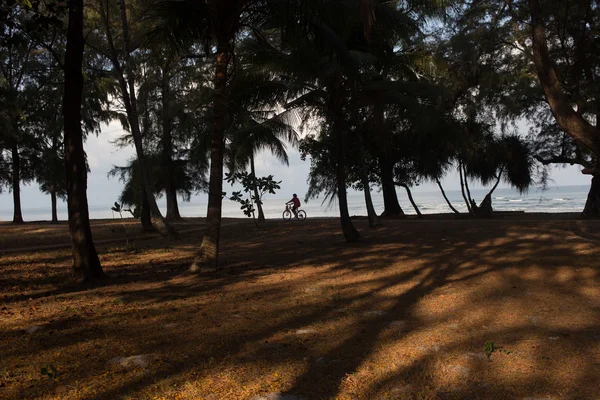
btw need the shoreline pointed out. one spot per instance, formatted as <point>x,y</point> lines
<point>498,215</point>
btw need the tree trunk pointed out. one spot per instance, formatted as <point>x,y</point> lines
<point>208,256</point>
<point>335,97</point>
<point>16,185</point>
<point>567,118</point>
<point>462,187</point>
<point>53,200</point>
<point>145,217</point>
<point>412,201</point>
<point>261,214</point>
<point>467,185</point>
<point>371,213</point>
<point>446,197</point>
<point>172,206</point>
<point>167,150</point>
<point>592,205</point>
<point>350,232</point>
<point>130,102</point>
<point>391,206</point>
<point>86,265</point>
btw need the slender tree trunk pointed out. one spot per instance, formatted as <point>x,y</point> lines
<point>467,185</point>
<point>167,150</point>
<point>371,213</point>
<point>412,201</point>
<point>16,185</point>
<point>462,187</point>
<point>446,197</point>
<point>129,99</point>
<point>261,214</point>
<point>350,232</point>
<point>496,184</point>
<point>86,265</point>
<point>53,200</point>
<point>334,107</point>
<point>208,256</point>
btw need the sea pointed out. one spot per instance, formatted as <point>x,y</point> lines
<point>551,200</point>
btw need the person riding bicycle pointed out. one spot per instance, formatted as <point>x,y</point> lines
<point>295,202</point>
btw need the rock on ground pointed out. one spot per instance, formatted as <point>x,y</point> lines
<point>140,360</point>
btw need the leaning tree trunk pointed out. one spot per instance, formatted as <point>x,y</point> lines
<point>412,201</point>
<point>571,122</point>
<point>371,213</point>
<point>208,256</point>
<point>16,185</point>
<point>261,214</point>
<point>446,197</point>
<point>53,200</point>
<point>86,265</point>
<point>130,102</point>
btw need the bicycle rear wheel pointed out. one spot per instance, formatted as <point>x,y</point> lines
<point>301,215</point>
<point>287,215</point>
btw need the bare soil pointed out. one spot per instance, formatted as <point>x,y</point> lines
<point>403,314</point>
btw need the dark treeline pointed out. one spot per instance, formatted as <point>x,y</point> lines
<point>390,93</point>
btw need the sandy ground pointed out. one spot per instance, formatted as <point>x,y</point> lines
<point>404,314</point>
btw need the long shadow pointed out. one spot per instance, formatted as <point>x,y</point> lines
<point>452,262</point>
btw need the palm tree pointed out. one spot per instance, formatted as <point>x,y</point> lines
<point>272,134</point>
<point>211,22</point>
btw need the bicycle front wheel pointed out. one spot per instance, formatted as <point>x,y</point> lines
<point>287,215</point>
<point>301,215</point>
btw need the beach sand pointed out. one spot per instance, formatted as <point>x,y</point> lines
<point>406,313</point>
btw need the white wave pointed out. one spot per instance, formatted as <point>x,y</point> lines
<point>516,200</point>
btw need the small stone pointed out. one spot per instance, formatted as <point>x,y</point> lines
<point>454,326</point>
<point>376,313</point>
<point>277,396</point>
<point>532,318</point>
<point>473,355</point>
<point>32,329</point>
<point>313,290</point>
<point>307,331</point>
<point>170,325</point>
<point>141,361</point>
<point>553,338</point>
<point>402,389</point>
<point>460,370</point>
<point>429,349</point>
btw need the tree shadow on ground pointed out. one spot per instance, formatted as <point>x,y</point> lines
<point>405,313</point>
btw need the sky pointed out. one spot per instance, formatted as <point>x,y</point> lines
<point>104,191</point>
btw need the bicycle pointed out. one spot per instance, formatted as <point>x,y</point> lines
<point>287,213</point>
